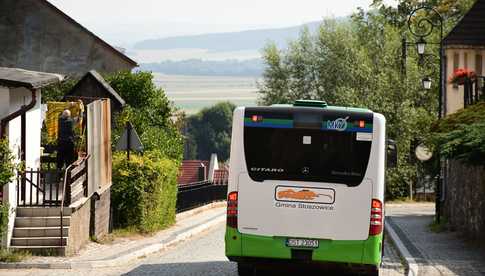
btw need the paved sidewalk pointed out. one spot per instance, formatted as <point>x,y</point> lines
<point>126,250</point>
<point>435,253</point>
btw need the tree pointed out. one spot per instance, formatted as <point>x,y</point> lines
<point>150,112</point>
<point>210,129</point>
<point>358,63</point>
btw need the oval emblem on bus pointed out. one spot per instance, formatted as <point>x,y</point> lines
<point>339,124</point>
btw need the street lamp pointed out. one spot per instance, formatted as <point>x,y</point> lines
<point>421,46</point>
<point>420,28</point>
<point>426,83</point>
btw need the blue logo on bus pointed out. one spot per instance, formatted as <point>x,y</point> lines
<point>340,124</point>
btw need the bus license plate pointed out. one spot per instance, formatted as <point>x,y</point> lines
<point>307,243</point>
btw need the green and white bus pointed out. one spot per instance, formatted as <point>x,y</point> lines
<point>306,184</point>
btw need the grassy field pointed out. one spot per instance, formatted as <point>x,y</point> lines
<point>192,93</point>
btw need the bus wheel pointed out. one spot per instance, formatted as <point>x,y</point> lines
<point>244,269</point>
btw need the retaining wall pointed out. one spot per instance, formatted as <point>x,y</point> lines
<point>464,205</point>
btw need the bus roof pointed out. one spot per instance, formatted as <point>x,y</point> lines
<point>330,107</point>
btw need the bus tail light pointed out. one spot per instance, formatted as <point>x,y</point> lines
<point>232,210</point>
<point>376,218</point>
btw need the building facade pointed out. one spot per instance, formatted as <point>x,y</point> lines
<point>464,48</point>
<point>463,192</point>
<point>35,35</point>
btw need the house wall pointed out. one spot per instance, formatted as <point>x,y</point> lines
<point>4,101</point>
<point>100,214</point>
<point>467,58</point>
<point>16,99</point>
<point>36,37</point>
<point>464,185</point>
<point>4,111</point>
<point>79,228</point>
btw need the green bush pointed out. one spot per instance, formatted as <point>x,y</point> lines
<point>149,110</point>
<point>144,191</point>
<point>462,135</point>
<point>6,173</point>
<point>56,92</point>
<point>6,164</point>
<point>4,211</point>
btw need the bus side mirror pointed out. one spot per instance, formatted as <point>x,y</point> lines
<point>391,149</point>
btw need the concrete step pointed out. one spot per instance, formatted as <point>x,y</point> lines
<point>23,232</point>
<point>39,241</point>
<point>41,221</point>
<point>43,250</point>
<point>42,211</point>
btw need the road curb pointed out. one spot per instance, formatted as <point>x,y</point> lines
<point>173,239</point>
<point>410,261</point>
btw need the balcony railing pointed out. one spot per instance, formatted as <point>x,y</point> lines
<point>474,91</point>
<point>44,187</point>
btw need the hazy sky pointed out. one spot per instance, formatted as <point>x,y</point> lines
<point>124,22</point>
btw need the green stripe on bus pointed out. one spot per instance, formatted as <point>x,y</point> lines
<point>356,252</point>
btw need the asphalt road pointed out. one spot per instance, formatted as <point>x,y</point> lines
<point>202,255</point>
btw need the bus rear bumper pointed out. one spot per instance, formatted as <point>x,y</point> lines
<point>244,247</point>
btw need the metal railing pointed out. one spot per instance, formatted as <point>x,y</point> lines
<point>198,194</point>
<point>38,188</point>
<point>474,91</point>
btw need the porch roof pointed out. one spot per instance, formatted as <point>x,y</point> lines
<point>16,77</point>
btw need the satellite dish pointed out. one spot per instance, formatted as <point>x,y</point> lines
<point>423,153</point>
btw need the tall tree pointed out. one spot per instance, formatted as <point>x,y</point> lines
<point>210,129</point>
<point>358,63</point>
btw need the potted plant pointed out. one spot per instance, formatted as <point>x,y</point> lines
<point>461,75</point>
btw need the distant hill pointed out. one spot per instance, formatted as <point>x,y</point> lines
<point>198,67</point>
<point>235,41</point>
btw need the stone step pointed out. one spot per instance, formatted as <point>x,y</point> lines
<point>43,250</point>
<point>23,232</point>
<point>42,211</point>
<point>39,241</point>
<point>41,221</point>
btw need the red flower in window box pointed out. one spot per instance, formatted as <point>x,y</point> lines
<point>461,75</point>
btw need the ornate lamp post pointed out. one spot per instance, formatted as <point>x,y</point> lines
<point>421,28</point>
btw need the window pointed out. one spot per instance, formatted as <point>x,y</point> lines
<point>456,65</point>
<point>304,152</point>
<point>466,60</point>
<point>478,64</point>
<point>456,61</point>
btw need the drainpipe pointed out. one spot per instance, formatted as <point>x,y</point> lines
<point>21,112</point>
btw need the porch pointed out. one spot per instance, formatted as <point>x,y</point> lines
<point>46,202</point>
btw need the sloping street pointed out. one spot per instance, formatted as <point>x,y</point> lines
<point>202,255</point>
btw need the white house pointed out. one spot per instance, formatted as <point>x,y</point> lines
<point>20,123</point>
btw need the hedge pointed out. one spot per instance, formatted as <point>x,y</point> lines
<point>462,135</point>
<point>144,191</point>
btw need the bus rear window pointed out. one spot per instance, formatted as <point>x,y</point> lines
<point>305,154</point>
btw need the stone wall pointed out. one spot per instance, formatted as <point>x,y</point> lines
<point>464,205</point>
<point>100,214</point>
<point>37,36</point>
<point>79,228</point>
